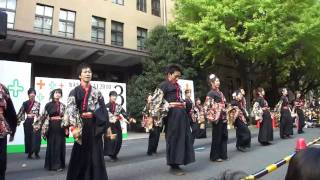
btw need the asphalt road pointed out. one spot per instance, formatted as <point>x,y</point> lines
<point>134,164</point>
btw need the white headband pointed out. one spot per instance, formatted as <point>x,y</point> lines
<point>212,76</point>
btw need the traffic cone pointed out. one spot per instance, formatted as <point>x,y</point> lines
<point>301,144</point>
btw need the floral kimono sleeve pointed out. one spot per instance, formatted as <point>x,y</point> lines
<point>159,107</point>
<point>72,116</point>
<point>257,111</point>
<point>36,109</point>
<point>145,111</point>
<point>278,106</point>
<point>112,117</point>
<point>21,115</point>
<point>39,121</point>
<point>212,110</point>
<point>62,114</point>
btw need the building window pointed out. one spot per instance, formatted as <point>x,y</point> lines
<point>98,29</point>
<point>43,21</point>
<point>117,33</point>
<point>9,6</point>
<point>66,23</point>
<point>155,7</point>
<point>142,5</point>
<point>141,38</point>
<point>118,2</point>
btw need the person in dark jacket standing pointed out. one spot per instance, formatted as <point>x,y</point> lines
<point>286,120</point>
<point>261,112</point>
<point>53,131</point>
<point>215,107</point>
<point>87,118</point>
<point>28,113</point>
<point>116,114</point>
<point>167,100</point>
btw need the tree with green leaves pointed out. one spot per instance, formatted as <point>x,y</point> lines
<point>164,47</point>
<point>279,38</point>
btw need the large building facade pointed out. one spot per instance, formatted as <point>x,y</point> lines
<point>56,35</point>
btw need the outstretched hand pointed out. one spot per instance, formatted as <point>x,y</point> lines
<point>132,120</point>
<point>76,133</point>
<point>108,134</point>
<point>66,131</point>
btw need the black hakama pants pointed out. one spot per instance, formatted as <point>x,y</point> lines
<point>243,134</point>
<point>202,132</point>
<point>56,146</point>
<point>112,146</point>
<point>219,141</point>
<point>286,123</point>
<point>87,161</point>
<point>301,120</point>
<point>266,130</point>
<point>3,157</point>
<point>179,147</point>
<point>194,130</point>
<point>154,137</point>
<point>32,139</point>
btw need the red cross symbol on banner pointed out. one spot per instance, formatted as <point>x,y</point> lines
<point>61,85</point>
<point>40,84</point>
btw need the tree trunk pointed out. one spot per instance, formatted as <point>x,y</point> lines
<point>244,70</point>
<point>274,91</point>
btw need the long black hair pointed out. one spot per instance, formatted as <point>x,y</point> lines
<point>52,93</point>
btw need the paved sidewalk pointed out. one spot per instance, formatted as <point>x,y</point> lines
<point>141,135</point>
